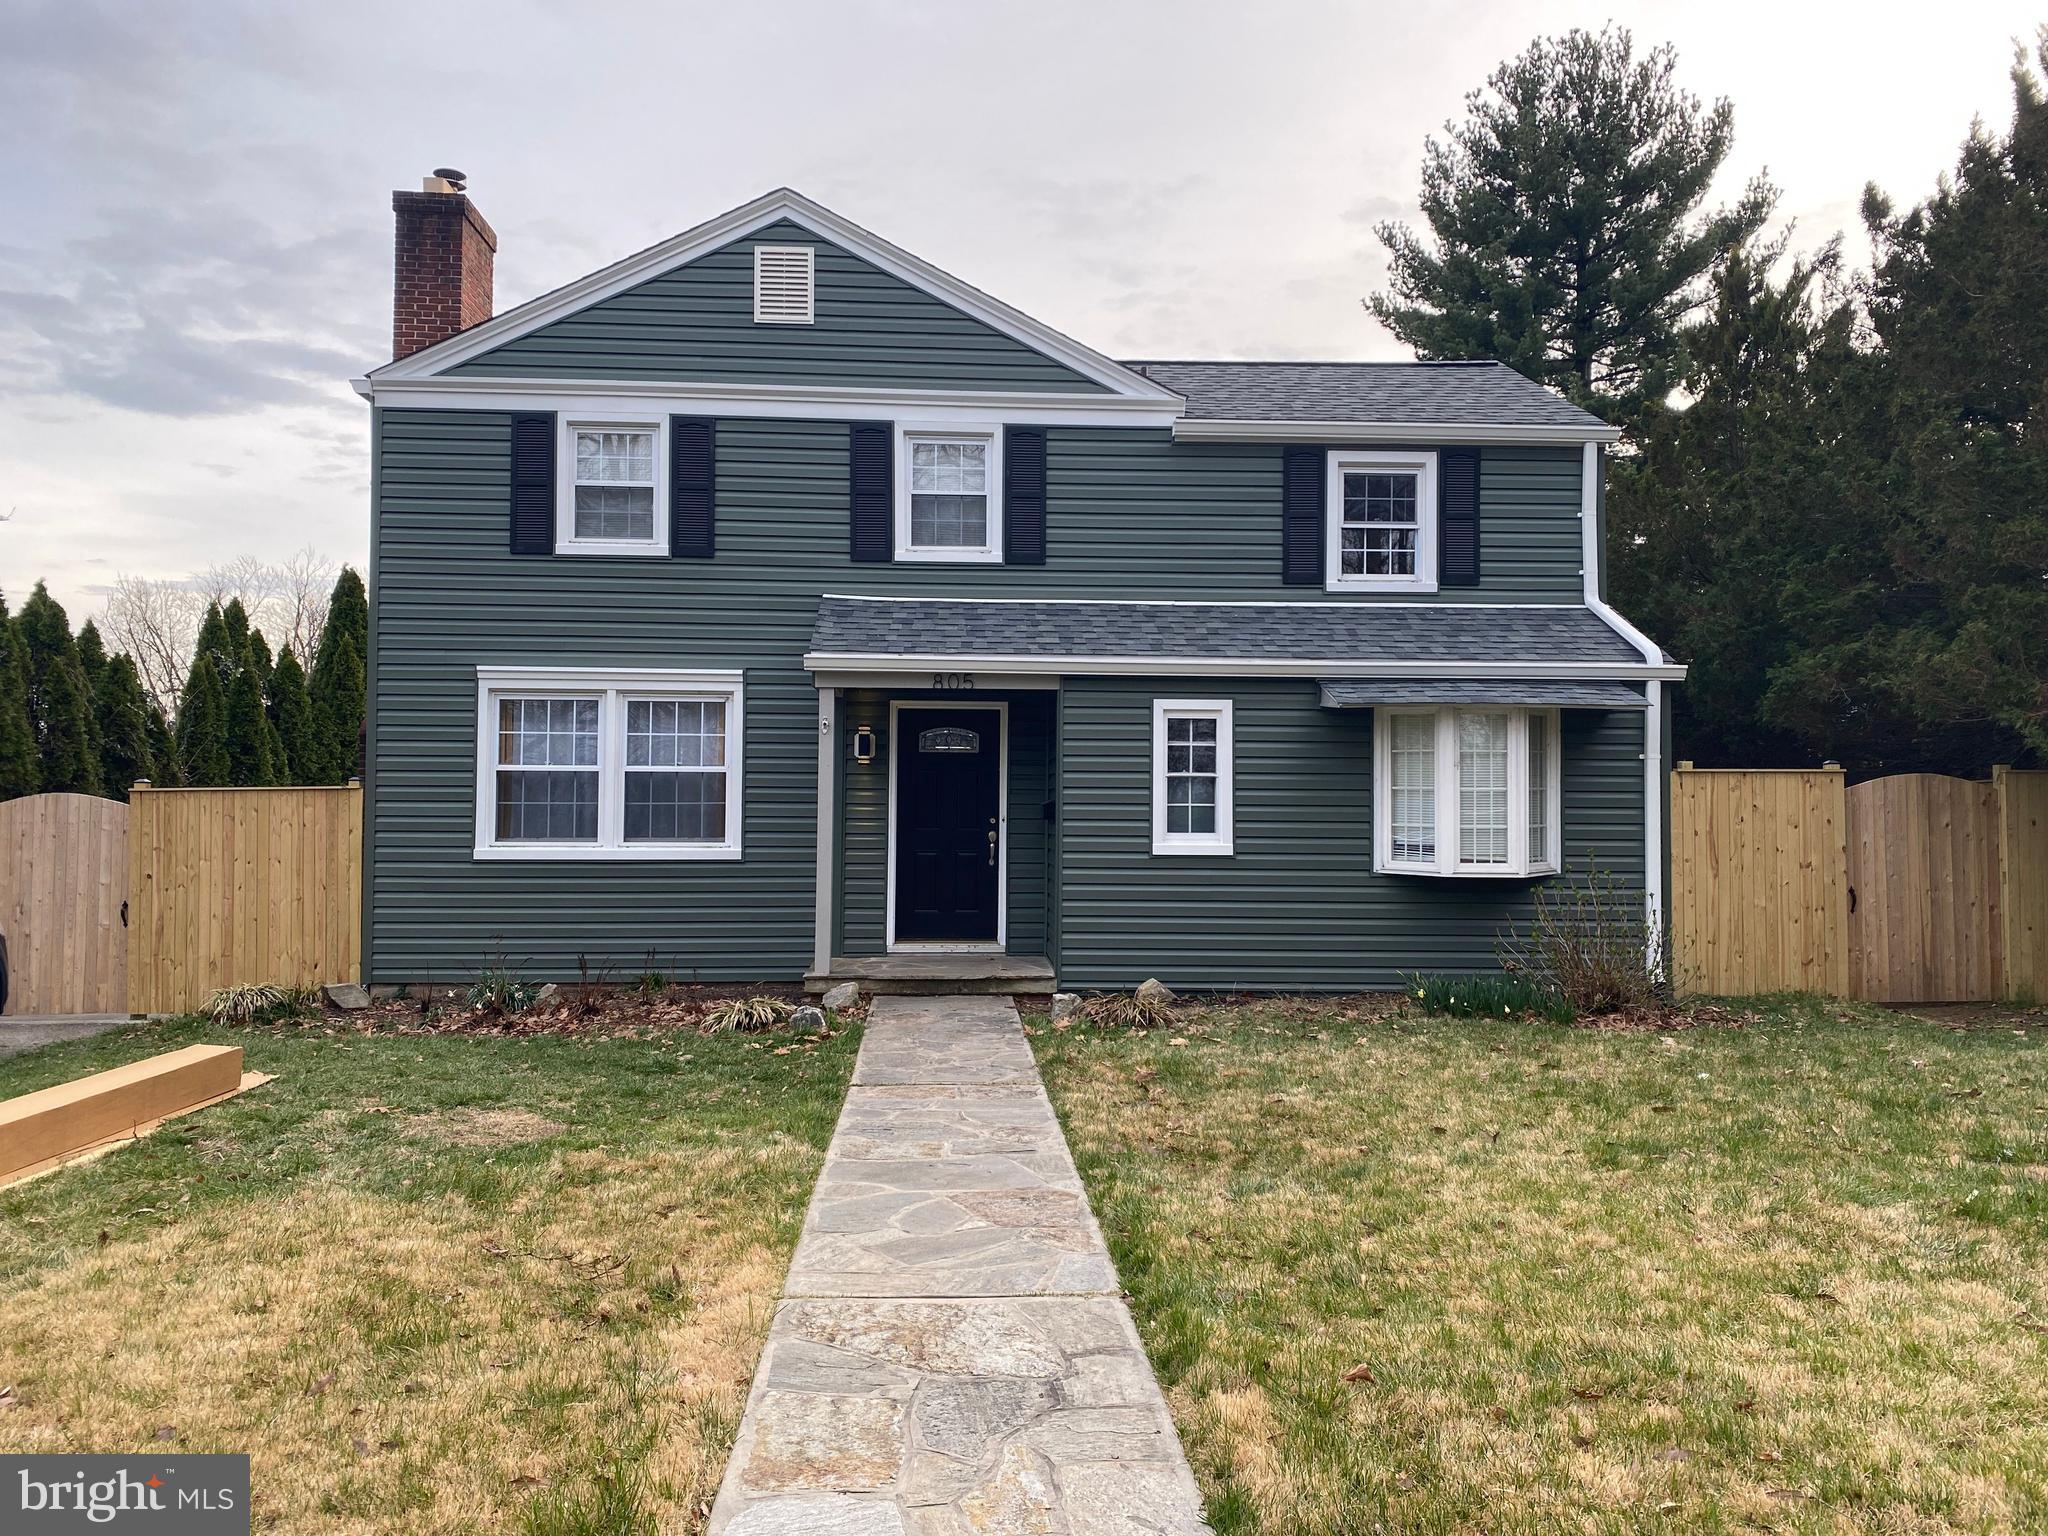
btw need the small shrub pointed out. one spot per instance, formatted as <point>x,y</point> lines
<point>650,981</point>
<point>1491,997</point>
<point>497,990</point>
<point>748,1015</point>
<point>1129,1010</point>
<point>1590,940</point>
<point>245,1005</point>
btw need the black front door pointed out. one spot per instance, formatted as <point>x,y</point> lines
<point>949,765</point>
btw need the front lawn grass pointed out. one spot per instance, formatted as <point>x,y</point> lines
<point>1420,1274</point>
<point>431,1284</point>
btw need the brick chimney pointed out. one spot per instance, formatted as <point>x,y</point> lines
<point>441,273</point>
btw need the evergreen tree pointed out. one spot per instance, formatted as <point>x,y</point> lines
<point>1566,236</point>
<point>163,749</point>
<point>235,625</point>
<point>249,733</point>
<point>337,692</point>
<point>291,716</point>
<point>92,655</point>
<point>20,763</point>
<point>123,712</point>
<point>59,702</point>
<point>337,682</point>
<point>259,657</point>
<point>202,739</point>
<point>214,641</point>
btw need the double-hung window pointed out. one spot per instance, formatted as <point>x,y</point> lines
<point>1382,521</point>
<point>1192,771</point>
<point>613,496</point>
<point>585,763</point>
<point>1466,791</point>
<point>949,504</point>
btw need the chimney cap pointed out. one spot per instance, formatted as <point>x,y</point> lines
<point>444,180</point>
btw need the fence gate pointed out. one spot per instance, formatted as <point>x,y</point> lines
<point>63,907</point>
<point>1926,920</point>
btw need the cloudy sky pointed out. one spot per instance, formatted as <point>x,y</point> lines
<point>195,214</point>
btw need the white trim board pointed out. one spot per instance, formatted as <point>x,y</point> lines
<point>826,402</point>
<point>1227,666</point>
<point>924,947</point>
<point>771,208</point>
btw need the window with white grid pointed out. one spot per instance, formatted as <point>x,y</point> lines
<point>1382,520</point>
<point>613,498</point>
<point>948,502</point>
<point>576,762</point>
<point>1192,771</point>
<point>1466,791</point>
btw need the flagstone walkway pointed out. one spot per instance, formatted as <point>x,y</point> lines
<point>952,1354</point>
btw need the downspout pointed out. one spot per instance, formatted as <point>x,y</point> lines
<point>1591,558</point>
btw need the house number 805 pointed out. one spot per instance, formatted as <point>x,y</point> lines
<point>953,682</point>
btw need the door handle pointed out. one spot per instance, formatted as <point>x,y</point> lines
<point>991,845</point>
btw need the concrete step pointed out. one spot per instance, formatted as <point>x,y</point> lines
<point>915,975</point>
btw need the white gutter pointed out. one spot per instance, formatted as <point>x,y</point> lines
<point>1223,666</point>
<point>1210,430</point>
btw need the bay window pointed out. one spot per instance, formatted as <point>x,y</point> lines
<point>1465,791</point>
<point>586,763</point>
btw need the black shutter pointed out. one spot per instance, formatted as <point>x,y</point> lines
<point>1457,528</point>
<point>1024,495</point>
<point>1304,483</point>
<point>692,482</point>
<point>871,491</point>
<point>533,484</point>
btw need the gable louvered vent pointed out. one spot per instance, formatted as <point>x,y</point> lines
<point>784,284</point>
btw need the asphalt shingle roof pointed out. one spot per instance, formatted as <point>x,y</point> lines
<point>1394,394</point>
<point>1300,631</point>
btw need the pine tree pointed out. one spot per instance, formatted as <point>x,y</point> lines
<point>123,713</point>
<point>291,716</point>
<point>249,732</point>
<point>202,740</point>
<point>59,702</point>
<point>1565,232</point>
<point>337,682</point>
<point>92,655</point>
<point>20,763</point>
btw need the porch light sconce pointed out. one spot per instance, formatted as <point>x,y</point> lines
<point>863,744</point>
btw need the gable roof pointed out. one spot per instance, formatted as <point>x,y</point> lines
<point>1395,394</point>
<point>772,207</point>
<point>1308,639</point>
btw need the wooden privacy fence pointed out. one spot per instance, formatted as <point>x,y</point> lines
<point>234,886</point>
<point>1916,888</point>
<point>63,889</point>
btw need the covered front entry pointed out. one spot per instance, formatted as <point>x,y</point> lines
<point>946,825</point>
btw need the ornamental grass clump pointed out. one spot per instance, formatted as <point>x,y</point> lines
<point>1130,1010</point>
<point>747,1015</point>
<point>246,1004</point>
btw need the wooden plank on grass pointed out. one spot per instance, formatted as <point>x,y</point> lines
<point>51,1123</point>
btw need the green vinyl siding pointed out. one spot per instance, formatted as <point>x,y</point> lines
<point>862,902</point>
<point>1131,514</point>
<point>1297,905</point>
<point>696,323</point>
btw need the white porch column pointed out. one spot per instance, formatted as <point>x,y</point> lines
<point>828,827</point>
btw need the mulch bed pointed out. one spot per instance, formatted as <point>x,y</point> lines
<point>595,1013</point>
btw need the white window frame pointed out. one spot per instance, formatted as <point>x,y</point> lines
<point>1523,861</point>
<point>566,542</point>
<point>1223,841</point>
<point>990,551</point>
<point>611,687</point>
<point>1363,460</point>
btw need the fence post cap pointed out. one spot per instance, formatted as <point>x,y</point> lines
<point>1831,766</point>
<point>354,782</point>
<point>141,784</point>
<point>1685,765</point>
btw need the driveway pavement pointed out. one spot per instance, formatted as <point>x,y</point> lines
<point>24,1032</point>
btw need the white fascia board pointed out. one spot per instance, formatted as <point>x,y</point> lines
<point>1339,433</point>
<point>679,250</point>
<point>1226,666</point>
<point>1018,407</point>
